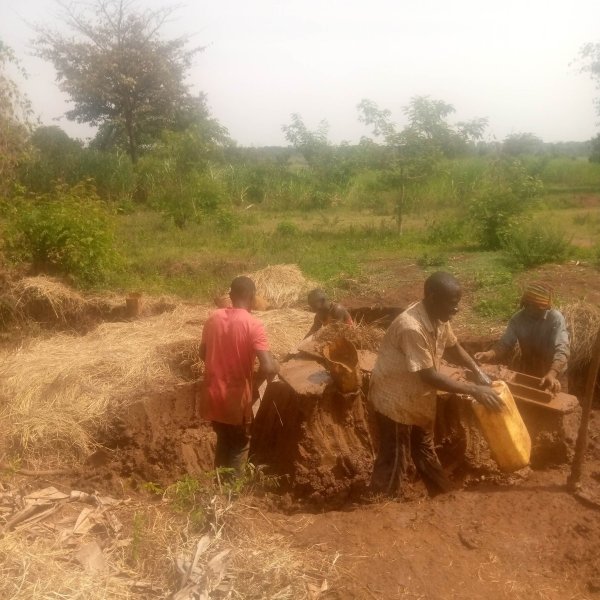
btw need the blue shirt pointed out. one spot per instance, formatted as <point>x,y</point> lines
<point>544,342</point>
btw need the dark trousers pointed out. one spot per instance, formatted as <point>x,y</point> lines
<point>401,446</point>
<point>233,444</point>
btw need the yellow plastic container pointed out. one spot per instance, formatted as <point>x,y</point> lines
<point>505,431</point>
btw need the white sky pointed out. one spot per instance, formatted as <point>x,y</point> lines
<point>507,60</point>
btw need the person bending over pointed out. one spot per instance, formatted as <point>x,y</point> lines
<point>541,332</point>
<point>405,381</point>
<point>325,311</point>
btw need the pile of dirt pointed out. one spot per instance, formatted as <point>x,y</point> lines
<point>323,438</point>
<point>160,438</point>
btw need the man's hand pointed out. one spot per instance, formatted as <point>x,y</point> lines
<point>550,382</point>
<point>488,397</point>
<point>485,357</point>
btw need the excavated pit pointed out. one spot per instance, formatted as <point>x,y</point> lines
<point>320,442</point>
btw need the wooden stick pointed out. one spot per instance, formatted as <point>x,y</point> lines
<point>574,479</point>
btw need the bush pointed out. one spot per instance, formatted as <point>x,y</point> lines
<point>287,229</point>
<point>534,244</point>
<point>445,232</point>
<point>506,193</point>
<point>66,231</point>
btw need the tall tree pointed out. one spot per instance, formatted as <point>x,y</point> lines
<point>15,112</point>
<point>589,59</point>
<point>415,151</point>
<point>116,68</point>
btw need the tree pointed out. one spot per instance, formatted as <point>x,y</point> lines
<point>15,111</point>
<point>313,145</point>
<point>119,73</point>
<point>415,151</point>
<point>589,59</point>
<point>517,144</point>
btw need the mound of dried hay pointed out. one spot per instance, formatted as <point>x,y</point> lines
<point>282,286</point>
<point>583,322</point>
<point>47,300</point>
<point>58,393</point>
<point>363,336</point>
<point>285,329</point>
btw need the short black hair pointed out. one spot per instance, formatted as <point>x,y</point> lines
<point>242,287</point>
<point>316,294</point>
<point>441,282</point>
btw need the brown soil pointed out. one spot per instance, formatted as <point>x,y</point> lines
<point>158,439</point>
<point>506,537</point>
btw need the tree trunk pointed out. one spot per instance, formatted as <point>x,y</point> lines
<point>400,211</point>
<point>131,142</point>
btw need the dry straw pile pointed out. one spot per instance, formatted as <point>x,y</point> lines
<point>285,329</point>
<point>363,336</point>
<point>583,322</point>
<point>58,393</point>
<point>282,286</point>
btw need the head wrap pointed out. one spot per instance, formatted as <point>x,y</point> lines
<point>537,295</point>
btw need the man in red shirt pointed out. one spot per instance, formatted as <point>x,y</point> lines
<point>231,340</point>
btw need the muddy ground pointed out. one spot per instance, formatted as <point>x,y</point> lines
<point>520,537</point>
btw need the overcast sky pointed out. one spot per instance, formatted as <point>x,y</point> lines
<point>507,60</point>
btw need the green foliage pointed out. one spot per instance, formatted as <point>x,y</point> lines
<point>117,70</point>
<point>67,231</point>
<point>287,229</point>
<point>177,178</point>
<point>505,193</point>
<point>533,244</point>
<point>495,295</point>
<point>517,144</point>
<point>445,232</point>
<point>589,60</point>
<point>427,260</point>
<point>59,158</point>
<point>15,111</point>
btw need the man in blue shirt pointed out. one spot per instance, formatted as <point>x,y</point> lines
<point>541,332</point>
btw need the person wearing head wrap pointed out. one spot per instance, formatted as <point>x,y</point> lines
<point>541,332</point>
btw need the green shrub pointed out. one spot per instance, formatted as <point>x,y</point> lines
<point>445,232</point>
<point>506,192</point>
<point>66,231</point>
<point>431,260</point>
<point>534,244</point>
<point>286,228</point>
<point>226,221</point>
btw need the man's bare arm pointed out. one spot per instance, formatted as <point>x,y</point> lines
<point>462,357</point>
<point>269,367</point>
<point>483,394</point>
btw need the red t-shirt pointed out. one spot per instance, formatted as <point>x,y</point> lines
<point>231,337</point>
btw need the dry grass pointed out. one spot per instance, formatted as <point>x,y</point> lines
<point>282,286</point>
<point>57,394</point>
<point>363,336</point>
<point>39,563</point>
<point>46,297</point>
<point>583,322</point>
<point>285,329</point>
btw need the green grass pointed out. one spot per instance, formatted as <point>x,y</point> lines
<point>199,261</point>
